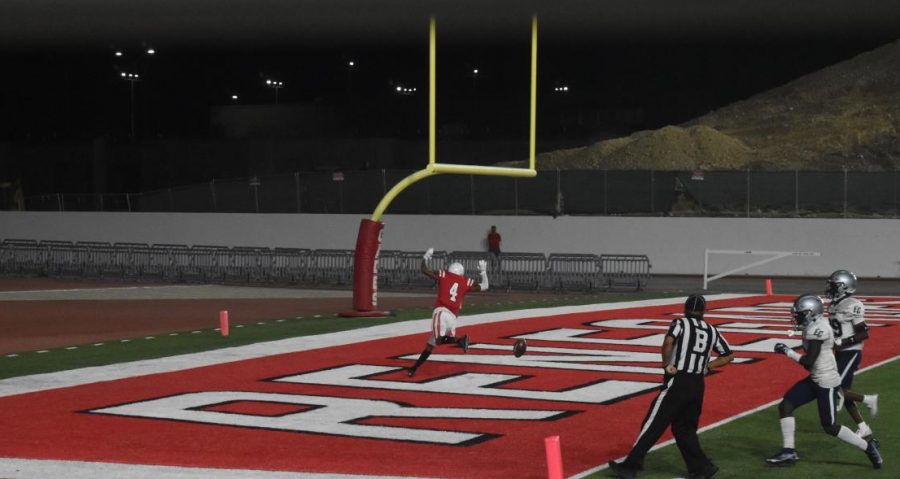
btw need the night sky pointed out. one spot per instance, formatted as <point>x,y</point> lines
<point>669,61</point>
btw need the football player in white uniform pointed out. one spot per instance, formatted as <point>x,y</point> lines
<point>823,383</point>
<point>847,317</point>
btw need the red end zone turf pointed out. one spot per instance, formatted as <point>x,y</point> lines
<point>587,377</point>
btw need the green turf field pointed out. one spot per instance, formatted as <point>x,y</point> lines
<point>738,448</point>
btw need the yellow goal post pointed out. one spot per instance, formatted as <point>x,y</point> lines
<point>368,242</point>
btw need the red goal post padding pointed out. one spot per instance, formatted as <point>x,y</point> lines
<point>365,270</point>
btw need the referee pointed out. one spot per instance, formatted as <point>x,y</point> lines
<point>685,361</point>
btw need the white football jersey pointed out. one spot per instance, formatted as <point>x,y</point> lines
<point>824,371</point>
<point>843,315</point>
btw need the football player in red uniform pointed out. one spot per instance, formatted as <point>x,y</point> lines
<point>452,288</point>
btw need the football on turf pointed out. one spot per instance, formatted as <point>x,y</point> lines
<point>519,348</point>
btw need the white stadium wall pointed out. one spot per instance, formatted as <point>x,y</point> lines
<point>871,248</point>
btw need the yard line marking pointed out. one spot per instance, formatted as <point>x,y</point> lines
<point>98,344</point>
<point>124,340</point>
<point>43,351</point>
<point>11,355</point>
<point>72,347</point>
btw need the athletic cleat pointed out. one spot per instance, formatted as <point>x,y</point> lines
<point>464,343</point>
<point>872,405</point>
<point>787,457</point>
<point>621,470</point>
<point>864,431</point>
<point>873,453</point>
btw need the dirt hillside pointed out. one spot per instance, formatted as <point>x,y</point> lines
<point>846,115</point>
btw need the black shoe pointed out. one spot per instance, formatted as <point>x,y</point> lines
<point>464,343</point>
<point>873,453</point>
<point>707,473</point>
<point>411,372</point>
<point>787,457</point>
<point>622,470</point>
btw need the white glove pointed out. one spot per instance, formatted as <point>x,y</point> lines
<point>428,254</point>
<point>482,271</point>
<point>838,342</point>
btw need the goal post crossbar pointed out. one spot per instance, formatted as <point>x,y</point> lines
<point>773,256</point>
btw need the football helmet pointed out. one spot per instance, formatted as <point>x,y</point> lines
<point>806,309</point>
<point>456,268</point>
<point>841,283</point>
<point>694,306</point>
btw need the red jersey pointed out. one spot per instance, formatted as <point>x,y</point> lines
<point>452,288</point>
<point>493,242</point>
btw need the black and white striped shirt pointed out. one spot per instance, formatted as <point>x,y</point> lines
<point>694,341</point>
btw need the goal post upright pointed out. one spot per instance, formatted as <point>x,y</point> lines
<point>368,242</point>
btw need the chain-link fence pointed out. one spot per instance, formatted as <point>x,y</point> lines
<point>553,192</point>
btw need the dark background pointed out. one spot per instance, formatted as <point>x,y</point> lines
<point>64,108</point>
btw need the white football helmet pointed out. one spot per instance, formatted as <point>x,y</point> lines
<point>841,283</point>
<point>456,268</point>
<point>806,309</point>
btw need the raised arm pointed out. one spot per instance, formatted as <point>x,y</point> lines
<point>424,266</point>
<point>482,271</point>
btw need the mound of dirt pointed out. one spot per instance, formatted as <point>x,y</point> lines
<point>844,116</point>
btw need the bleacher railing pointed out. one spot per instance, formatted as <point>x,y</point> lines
<point>321,268</point>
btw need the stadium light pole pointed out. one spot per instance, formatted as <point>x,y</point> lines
<point>131,78</point>
<point>275,85</point>
<point>351,66</point>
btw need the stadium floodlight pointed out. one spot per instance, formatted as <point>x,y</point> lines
<point>275,85</point>
<point>131,78</point>
<point>234,97</point>
<point>118,53</point>
<point>151,51</point>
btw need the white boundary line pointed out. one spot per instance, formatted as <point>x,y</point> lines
<point>44,469</point>
<point>723,422</point>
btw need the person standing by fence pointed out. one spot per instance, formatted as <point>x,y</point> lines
<point>493,241</point>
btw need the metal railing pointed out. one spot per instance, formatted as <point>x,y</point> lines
<point>744,193</point>
<point>322,267</point>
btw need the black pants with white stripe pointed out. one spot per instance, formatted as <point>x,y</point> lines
<point>679,404</point>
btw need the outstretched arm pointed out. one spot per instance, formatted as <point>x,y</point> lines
<point>813,348</point>
<point>482,271</point>
<point>424,266</point>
